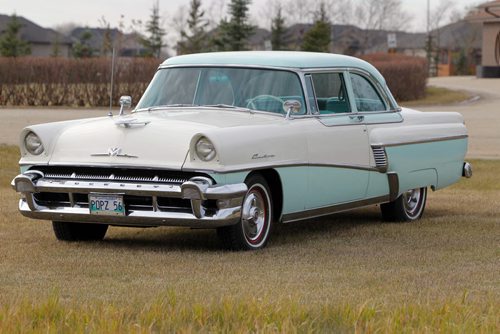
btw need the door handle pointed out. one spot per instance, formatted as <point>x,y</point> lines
<point>357,118</point>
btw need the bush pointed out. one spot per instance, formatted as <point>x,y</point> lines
<point>406,76</point>
<point>72,82</point>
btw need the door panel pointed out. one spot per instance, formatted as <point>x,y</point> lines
<point>339,161</point>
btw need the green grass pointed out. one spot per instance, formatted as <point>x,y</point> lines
<point>168,314</point>
<point>438,96</point>
<point>345,273</point>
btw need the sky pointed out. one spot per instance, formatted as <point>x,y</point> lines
<point>53,13</point>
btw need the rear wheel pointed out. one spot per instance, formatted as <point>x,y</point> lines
<point>407,207</point>
<point>252,231</point>
<point>79,231</point>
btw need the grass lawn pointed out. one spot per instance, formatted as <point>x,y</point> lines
<point>438,96</point>
<point>344,273</point>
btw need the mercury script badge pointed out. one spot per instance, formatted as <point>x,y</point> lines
<point>113,152</point>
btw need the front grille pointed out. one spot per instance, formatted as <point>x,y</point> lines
<point>132,202</point>
<point>116,174</point>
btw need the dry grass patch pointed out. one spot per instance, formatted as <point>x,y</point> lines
<point>345,272</point>
<point>438,96</point>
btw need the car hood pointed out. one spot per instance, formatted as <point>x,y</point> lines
<point>147,139</point>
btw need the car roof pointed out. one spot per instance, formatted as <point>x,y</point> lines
<point>289,59</point>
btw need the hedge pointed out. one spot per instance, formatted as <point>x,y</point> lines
<point>406,76</point>
<point>31,81</point>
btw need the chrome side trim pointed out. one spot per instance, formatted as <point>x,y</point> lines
<point>423,141</point>
<point>283,165</point>
<point>327,210</point>
<point>393,179</point>
<point>231,170</point>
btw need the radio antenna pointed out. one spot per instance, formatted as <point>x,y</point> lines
<point>111,85</point>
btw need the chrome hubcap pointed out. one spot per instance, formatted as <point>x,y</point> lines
<point>411,200</point>
<point>254,215</point>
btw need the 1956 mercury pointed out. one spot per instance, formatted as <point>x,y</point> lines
<point>239,141</point>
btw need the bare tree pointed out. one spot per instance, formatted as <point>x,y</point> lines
<point>382,15</point>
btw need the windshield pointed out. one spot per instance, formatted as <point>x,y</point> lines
<point>257,89</point>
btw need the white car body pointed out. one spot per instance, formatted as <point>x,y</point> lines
<point>318,163</point>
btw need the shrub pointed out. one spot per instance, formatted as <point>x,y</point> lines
<point>72,82</point>
<point>406,76</point>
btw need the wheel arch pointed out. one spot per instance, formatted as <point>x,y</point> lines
<point>274,182</point>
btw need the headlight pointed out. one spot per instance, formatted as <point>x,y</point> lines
<point>33,144</point>
<point>205,150</point>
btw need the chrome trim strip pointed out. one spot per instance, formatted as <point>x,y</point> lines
<point>327,210</point>
<point>393,179</point>
<point>423,141</point>
<point>215,171</point>
<point>267,67</point>
<point>273,166</point>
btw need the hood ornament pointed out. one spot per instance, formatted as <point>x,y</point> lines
<point>113,152</point>
<point>128,122</point>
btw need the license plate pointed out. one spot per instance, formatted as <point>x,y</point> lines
<point>110,205</point>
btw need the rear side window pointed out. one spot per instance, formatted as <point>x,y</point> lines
<point>366,96</point>
<point>331,94</point>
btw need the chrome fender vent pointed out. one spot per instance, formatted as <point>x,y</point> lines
<point>380,158</point>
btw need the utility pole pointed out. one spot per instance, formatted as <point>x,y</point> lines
<point>429,38</point>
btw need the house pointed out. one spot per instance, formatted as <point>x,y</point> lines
<point>43,41</point>
<point>103,40</point>
<point>488,16</point>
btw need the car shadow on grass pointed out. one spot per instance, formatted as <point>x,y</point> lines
<point>184,239</point>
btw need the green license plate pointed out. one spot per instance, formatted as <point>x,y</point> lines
<point>110,205</point>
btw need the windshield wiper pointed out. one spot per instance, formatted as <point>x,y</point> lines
<point>219,105</point>
<point>226,106</point>
<point>176,105</point>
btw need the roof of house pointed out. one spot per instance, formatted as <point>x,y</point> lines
<point>33,33</point>
<point>461,34</point>
<point>486,12</point>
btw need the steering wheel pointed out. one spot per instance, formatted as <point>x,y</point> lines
<point>251,103</point>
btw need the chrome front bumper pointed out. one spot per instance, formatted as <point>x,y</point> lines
<point>228,200</point>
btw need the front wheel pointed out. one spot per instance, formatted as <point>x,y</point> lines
<point>66,231</point>
<point>407,207</point>
<point>252,231</point>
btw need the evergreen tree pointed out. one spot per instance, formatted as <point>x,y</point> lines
<point>82,48</point>
<point>11,45</point>
<point>278,31</point>
<point>232,35</point>
<point>318,38</point>
<point>196,40</point>
<point>154,42</point>
<point>56,47</point>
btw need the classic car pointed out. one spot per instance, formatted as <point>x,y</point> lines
<point>239,141</point>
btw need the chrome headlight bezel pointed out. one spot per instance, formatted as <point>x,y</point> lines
<point>205,149</point>
<point>33,144</point>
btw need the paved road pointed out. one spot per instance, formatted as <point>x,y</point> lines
<point>482,117</point>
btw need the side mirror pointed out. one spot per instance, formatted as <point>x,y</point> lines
<point>291,106</point>
<point>125,102</point>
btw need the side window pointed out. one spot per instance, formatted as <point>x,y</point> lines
<point>365,95</point>
<point>330,92</point>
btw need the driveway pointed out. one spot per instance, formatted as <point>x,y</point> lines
<point>482,117</point>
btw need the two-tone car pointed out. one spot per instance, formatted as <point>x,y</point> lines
<point>239,141</point>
